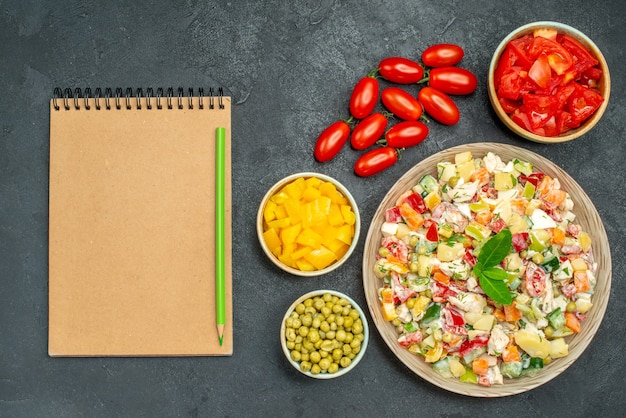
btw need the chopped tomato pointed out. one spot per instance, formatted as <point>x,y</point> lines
<point>509,105</point>
<point>583,102</point>
<point>582,57</point>
<point>540,71</point>
<point>519,47</point>
<point>506,61</point>
<point>558,58</point>
<point>539,108</point>
<point>511,83</point>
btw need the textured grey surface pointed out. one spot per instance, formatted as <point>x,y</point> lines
<point>290,67</point>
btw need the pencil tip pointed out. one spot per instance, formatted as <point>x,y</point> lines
<point>221,339</point>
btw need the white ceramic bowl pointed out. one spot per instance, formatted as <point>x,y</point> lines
<point>342,370</point>
<point>260,224</point>
<point>604,85</point>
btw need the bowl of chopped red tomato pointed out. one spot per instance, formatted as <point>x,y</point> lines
<point>548,82</point>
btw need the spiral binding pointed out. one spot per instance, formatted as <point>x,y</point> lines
<point>68,98</point>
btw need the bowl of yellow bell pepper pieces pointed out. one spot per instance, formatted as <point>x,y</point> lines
<point>308,224</point>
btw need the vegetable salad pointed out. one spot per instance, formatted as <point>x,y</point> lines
<point>484,270</point>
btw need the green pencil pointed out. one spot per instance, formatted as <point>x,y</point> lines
<point>220,239</point>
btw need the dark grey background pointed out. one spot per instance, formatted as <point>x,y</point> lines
<point>290,67</point>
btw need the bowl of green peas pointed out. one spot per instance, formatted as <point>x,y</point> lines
<point>324,334</point>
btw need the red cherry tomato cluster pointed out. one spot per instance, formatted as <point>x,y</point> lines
<point>437,76</point>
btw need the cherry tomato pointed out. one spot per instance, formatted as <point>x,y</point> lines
<point>439,106</point>
<point>442,55</point>
<point>375,161</point>
<point>400,70</point>
<point>364,97</point>
<point>368,131</point>
<point>401,103</point>
<point>406,134</point>
<point>331,140</point>
<point>453,80</point>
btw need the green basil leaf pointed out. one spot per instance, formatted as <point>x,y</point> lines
<point>495,249</point>
<point>494,273</point>
<point>496,290</point>
<point>478,269</point>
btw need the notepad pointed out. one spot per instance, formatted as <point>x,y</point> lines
<point>132,223</point>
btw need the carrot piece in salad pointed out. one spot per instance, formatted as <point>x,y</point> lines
<point>441,277</point>
<point>483,217</point>
<point>545,185</point>
<point>511,313</point>
<point>555,196</point>
<point>482,175</point>
<point>581,281</point>
<point>558,236</point>
<point>412,217</point>
<point>572,322</point>
<point>480,366</point>
<point>511,354</point>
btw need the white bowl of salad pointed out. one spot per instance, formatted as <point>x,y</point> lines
<point>487,270</point>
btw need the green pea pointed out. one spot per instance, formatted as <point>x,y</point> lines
<point>348,321</point>
<point>570,307</point>
<point>296,355</point>
<point>319,304</point>
<point>325,326</point>
<point>333,368</point>
<point>327,346</point>
<point>303,331</point>
<point>315,357</point>
<point>305,366</point>
<point>308,303</point>
<point>340,335</point>
<point>324,363</point>
<point>337,354</point>
<point>346,349</point>
<point>327,297</point>
<point>314,336</point>
<point>315,369</point>
<point>357,328</point>
<point>300,308</point>
<point>345,362</point>
<point>316,322</point>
